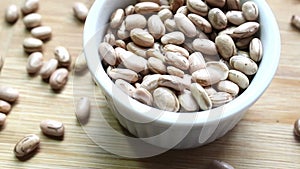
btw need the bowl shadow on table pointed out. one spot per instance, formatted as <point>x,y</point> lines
<point>199,157</point>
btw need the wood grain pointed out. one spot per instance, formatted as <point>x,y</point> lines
<point>263,139</point>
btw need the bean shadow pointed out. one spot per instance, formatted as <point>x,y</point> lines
<point>29,156</point>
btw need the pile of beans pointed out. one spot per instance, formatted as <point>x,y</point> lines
<point>54,70</point>
<point>183,56</point>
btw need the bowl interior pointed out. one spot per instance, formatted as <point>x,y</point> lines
<point>94,31</point>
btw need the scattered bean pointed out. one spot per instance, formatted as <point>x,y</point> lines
<point>59,78</point>
<point>80,64</point>
<point>48,68</point>
<point>42,32</point>
<point>31,45</point>
<point>80,11</point>
<point>1,62</point>
<point>63,57</point>
<point>2,119</point>
<point>52,128</point>
<point>83,110</point>
<point>8,94</point>
<point>5,107</point>
<point>32,20</point>
<point>30,6</point>
<point>297,128</point>
<point>12,14</point>
<point>34,63</point>
<point>295,21</point>
<point>26,145</point>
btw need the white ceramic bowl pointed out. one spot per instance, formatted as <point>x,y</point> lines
<point>178,130</point>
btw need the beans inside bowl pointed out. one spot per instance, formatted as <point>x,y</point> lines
<point>171,71</point>
<point>183,56</point>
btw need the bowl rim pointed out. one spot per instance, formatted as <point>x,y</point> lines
<point>257,87</point>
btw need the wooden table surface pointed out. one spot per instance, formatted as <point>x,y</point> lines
<point>263,139</point>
